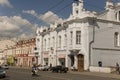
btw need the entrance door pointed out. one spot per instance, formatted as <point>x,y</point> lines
<point>80,62</point>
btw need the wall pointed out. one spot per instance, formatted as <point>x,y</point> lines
<point>103,48</point>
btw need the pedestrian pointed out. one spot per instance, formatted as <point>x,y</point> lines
<point>117,68</point>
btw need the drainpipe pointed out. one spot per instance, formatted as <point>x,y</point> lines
<point>91,42</point>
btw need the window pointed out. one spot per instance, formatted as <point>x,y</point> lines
<point>45,44</point>
<point>48,43</point>
<point>116,39</point>
<point>78,37</point>
<point>38,39</point>
<point>53,42</point>
<point>65,40</point>
<point>117,16</point>
<point>76,11</point>
<point>59,41</point>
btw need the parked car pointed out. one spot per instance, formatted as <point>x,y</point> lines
<point>5,66</point>
<point>59,68</point>
<point>43,67</point>
<point>2,72</point>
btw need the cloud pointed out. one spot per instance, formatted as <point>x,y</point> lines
<point>16,26</point>
<point>32,12</point>
<point>5,3</point>
<point>49,17</point>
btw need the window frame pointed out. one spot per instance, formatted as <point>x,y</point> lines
<point>116,39</point>
<point>78,37</point>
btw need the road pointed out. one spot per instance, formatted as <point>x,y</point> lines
<point>25,74</point>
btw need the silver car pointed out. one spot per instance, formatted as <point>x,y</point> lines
<point>43,68</point>
<point>5,66</point>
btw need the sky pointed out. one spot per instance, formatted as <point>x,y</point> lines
<point>20,18</point>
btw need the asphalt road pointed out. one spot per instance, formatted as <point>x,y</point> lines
<point>25,74</point>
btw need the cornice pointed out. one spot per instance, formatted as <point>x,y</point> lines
<point>83,20</point>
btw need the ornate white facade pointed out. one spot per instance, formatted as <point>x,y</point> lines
<point>74,42</point>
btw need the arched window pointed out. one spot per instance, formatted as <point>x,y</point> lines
<point>116,39</point>
<point>44,44</point>
<point>48,43</point>
<point>78,37</point>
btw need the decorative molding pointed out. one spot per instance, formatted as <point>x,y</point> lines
<point>112,49</point>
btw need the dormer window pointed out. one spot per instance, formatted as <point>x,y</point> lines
<point>76,11</point>
<point>59,25</point>
<point>44,30</point>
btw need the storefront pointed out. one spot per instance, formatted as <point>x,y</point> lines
<point>61,59</point>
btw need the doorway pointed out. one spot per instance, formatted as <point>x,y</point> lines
<point>80,58</point>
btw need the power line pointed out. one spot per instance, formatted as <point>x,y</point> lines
<point>57,11</point>
<point>55,5</point>
<point>94,6</point>
<point>58,3</point>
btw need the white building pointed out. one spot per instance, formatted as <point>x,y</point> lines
<point>83,40</point>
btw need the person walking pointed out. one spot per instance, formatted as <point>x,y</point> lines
<point>117,68</point>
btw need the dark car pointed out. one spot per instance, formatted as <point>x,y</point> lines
<point>2,72</point>
<point>59,69</point>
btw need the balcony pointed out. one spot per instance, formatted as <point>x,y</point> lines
<point>75,47</point>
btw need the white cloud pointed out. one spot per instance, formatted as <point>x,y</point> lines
<point>32,12</point>
<point>49,17</point>
<point>16,26</point>
<point>5,3</point>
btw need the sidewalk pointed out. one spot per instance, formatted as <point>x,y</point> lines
<point>110,75</point>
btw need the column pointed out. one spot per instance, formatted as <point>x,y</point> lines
<point>75,62</point>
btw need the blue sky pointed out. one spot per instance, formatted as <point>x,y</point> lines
<point>21,17</point>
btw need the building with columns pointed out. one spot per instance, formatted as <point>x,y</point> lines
<point>86,40</point>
